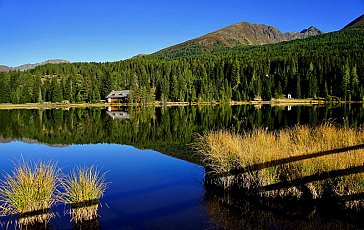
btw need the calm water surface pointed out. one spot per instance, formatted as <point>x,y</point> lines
<point>147,190</point>
<point>154,185</point>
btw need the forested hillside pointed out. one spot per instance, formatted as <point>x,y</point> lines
<point>321,66</point>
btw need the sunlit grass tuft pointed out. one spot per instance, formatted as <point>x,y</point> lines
<point>30,189</point>
<point>83,189</point>
<point>223,151</point>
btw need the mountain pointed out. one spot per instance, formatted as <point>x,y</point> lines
<point>325,66</point>
<point>359,22</point>
<point>4,68</point>
<point>243,33</point>
<point>25,67</point>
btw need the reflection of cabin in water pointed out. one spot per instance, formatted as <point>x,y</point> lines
<point>118,113</point>
<point>118,96</point>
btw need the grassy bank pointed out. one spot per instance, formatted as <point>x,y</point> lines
<point>296,162</point>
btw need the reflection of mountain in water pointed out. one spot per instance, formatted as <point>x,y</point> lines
<point>5,140</point>
<point>29,141</point>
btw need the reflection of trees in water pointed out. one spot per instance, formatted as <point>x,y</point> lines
<point>160,128</point>
<point>90,225</point>
<point>227,212</point>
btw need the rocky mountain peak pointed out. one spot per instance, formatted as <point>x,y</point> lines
<point>311,30</point>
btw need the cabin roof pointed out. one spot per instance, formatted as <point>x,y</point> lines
<point>118,94</point>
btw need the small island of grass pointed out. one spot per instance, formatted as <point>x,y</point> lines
<point>299,162</point>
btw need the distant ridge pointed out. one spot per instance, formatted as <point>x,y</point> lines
<point>243,33</point>
<point>25,67</point>
<point>358,22</point>
<point>4,68</point>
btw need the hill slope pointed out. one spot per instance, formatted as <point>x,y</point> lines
<point>243,33</point>
<point>358,22</point>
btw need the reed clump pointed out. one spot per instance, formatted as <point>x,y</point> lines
<point>225,151</point>
<point>29,192</point>
<point>83,188</point>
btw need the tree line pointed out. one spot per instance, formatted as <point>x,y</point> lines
<point>326,66</point>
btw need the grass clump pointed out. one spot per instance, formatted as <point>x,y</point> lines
<point>83,189</point>
<point>30,191</point>
<point>224,152</point>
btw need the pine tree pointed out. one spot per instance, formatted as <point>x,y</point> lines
<point>298,87</point>
<point>345,84</point>
<point>354,84</point>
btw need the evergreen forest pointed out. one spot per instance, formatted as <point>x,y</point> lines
<point>329,66</point>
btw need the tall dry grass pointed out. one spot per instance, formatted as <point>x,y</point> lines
<point>83,189</point>
<point>224,151</point>
<point>29,192</point>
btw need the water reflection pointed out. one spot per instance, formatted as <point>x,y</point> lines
<point>229,213</point>
<point>13,222</point>
<point>118,113</point>
<point>148,190</point>
<point>91,225</point>
<point>85,209</point>
<point>165,129</point>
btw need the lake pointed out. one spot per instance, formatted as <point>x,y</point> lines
<point>155,181</point>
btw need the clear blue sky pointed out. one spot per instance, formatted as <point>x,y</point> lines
<point>110,30</point>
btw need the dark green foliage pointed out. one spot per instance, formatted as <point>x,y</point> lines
<point>4,89</point>
<point>154,128</point>
<point>322,66</point>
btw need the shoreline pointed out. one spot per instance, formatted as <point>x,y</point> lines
<point>275,102</point>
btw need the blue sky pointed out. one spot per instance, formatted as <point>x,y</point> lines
<point>110,30</point>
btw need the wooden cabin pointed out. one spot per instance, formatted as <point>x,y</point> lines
<point>118,96</point>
